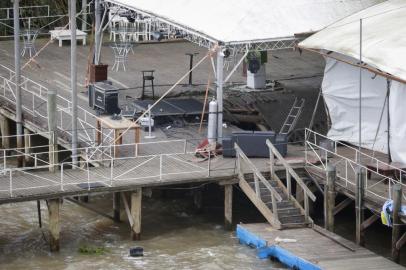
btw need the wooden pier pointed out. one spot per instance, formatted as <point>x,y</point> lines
<point>311,248</point>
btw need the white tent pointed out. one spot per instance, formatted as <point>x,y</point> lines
<point>241,21</point>
<point>383,53</point>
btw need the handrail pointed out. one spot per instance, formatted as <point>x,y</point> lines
<point>274,151</point>
<point>241,154</point>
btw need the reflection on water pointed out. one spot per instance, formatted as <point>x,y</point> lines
<point>173,237</point>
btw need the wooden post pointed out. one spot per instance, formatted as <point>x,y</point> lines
<point>5,131</point>
<point>299,193</point>
<point>359,208</point>
<point>136,203</point>
<point>396,228</point>
<point>116,206</point>
<point>228,207</point>
<point>54,223</point>
<point>329,197</point>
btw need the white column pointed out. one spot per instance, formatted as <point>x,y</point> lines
<point>84,15</point>
<point>220,64</point>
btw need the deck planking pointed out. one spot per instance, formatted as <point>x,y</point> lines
<point>321,248</point>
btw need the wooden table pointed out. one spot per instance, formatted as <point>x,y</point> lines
<point>61,35</point>
<point>118,126</point>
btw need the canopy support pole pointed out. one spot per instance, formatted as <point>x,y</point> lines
<point>360,93</point>
<point>73,82</point>
<point>97,15</point>
<point>220,71</point>
<point>388,84</point>
<point>17,79</point>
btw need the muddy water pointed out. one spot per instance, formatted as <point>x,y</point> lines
<point>174,237</point>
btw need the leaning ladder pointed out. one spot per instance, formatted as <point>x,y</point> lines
<point>294,114</point>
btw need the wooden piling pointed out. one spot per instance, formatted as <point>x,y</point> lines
<point>5,131</point>
<point>116,206</point>
<point>136,203</point>
<point>329,197</point>
<point>228,207</point>
<point>396,228</point>
<point>54,223</point>
<point>359,208</point>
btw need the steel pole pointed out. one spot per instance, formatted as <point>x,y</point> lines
<point>97,15</point>
<point>17,78</point>
<point>220,64</point>
<point>73,81</point>
<point>360,92</point>
<point>84,15</point>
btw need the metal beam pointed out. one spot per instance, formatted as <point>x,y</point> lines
<point>97,15</point>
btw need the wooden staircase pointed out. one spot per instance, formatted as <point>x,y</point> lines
<point>271,196</point>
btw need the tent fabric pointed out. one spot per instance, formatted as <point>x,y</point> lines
<point>383,37</point>
<point>340,88</point>
<point>248,21</point>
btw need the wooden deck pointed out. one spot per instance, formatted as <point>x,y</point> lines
<point>316,248</point>
<point>157,169</point>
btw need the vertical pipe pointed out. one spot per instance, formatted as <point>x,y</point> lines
<point>84,15</point>
<point>17,78</point>
<point>220,64</point>
<point>97,15</point>
<point>73,82</point>
<point>360,92</point>
<point>388,84</point>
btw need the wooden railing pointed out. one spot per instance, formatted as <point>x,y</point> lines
<point>258,178</point>
<point>290,173</point>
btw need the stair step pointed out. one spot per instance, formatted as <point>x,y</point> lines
<point>272,183</point>
<point>280,205</point>
<point>285,212</point>
<point>292,219</point>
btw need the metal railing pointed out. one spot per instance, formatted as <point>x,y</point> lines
<point>348,161</point>
<point>242,160</point>
<point>290,174</point>
<point>160,165</point>
<point>9,11</point>
<point>35,100</point>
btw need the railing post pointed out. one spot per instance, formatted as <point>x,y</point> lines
<point>396,226</point>
<point>111,172</point>
<point>271,162</point>
<point>288,183</point>
<point>62,176</point>
<point>306,206</point>
<point>11,183</point>
<point>209,165</point>
<point>274,206</point>
<point>359,207</point>
<point>257,188</point>
<point>160,167</point>
<point>329,197</point>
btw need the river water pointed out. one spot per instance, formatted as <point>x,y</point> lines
<point>173,237</point>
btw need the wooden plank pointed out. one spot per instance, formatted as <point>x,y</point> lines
<point>369,221</point>
<point>259,204</point>
<point>342,205</point>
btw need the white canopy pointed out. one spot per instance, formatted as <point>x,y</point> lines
<point>383,37</point>
<point>248,21</point>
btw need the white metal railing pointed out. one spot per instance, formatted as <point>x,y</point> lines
<point>242,159</point>
<point>35,100</point>
<point>345,158</point>
<point>290,174</point>
<point>9,11</point>
<point>159,166</point>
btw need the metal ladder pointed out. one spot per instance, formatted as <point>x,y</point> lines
<point>293,116</point>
